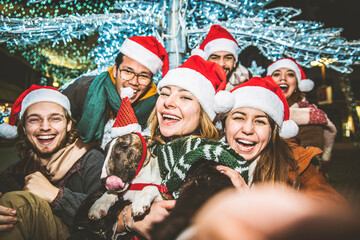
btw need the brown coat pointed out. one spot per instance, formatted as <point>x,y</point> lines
<point>312,182</point>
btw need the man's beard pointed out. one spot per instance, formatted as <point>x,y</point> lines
<point>228,75</point>
<point>46,154</point>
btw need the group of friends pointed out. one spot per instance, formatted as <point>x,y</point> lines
<point>61,135</point>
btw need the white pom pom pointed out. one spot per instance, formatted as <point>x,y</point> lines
<point>306,85</point>
<point>198,51</point>
<point>223,102</point>
<point>289,129</point>
<point>126,92</point>
<point>8,131</point>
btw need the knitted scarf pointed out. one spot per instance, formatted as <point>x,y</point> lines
<point>175,159</point>
<point>304,113</point>
<point>102,92</point>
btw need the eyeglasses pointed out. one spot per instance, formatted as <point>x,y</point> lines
<point>129,75</point>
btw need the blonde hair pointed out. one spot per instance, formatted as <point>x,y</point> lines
<point>206,129</point>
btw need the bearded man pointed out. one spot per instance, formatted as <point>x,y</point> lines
<point>56,171</point>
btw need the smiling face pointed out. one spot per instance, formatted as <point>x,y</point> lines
<point>247,131</point>
<point>177,111</point>
<point>130,65</point>
<point>225,59</point>
<point>286,79</point>
<point>46,127</point>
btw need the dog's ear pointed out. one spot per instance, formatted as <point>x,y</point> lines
<point>107,146</point>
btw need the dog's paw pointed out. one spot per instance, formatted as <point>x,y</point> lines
<point>141,205</point>
<point>142,202</point>
<point>101,206</point>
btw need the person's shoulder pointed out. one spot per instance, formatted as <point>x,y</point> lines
<point>80,82</point>
<point>94,156</point>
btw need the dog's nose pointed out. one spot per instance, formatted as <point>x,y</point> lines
<point>113,183</point>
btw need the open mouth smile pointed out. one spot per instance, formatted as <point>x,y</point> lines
<point>170,119</point>
<point>245,145</point>
<point>46,139</point>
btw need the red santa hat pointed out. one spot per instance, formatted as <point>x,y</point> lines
<point>202,78</point>
<point>32,95</point>
<point>125,121</point>
<point>262,94</point>
<point>148,51</point>
<point>304,84</point>
<point>218,39</point>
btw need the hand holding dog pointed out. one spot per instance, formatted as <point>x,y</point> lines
<point>235,177</point>
<point>39,185</point>
<point>158,211</point>
<point>7,220</point>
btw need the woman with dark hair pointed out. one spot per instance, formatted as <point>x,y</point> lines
<point>256,124</point>
<point>315,128</point>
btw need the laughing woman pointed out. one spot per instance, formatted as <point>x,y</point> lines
<point>315,128</point>
<point>255,121</point>
<point>183,132</point>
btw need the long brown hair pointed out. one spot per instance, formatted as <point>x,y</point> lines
<point>206,128</point>
<point>276,161</point>
<point>27,165</point>
<point>296,96</point>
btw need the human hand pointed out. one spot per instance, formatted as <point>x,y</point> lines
<point>38,184</point>
<point>6,220</point>
<point>235,177</point>
<point>158,211</point>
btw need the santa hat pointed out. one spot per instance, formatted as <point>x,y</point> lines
<point>30,96</point>
<point>218,39</point>
<point>262,94</point>
<point>125,121</point>
<point>304,84</point>
<point>202,78</point>
<point>148,51</point>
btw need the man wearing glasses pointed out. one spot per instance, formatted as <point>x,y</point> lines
<point>96,99</point>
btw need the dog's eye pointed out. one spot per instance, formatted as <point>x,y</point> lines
<point>124,148</point>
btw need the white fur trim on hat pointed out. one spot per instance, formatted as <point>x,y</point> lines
<point>198,51</point>
<point>193,82</point>
<point>126,92</point>
<point>123,130</point>
<point>289,129</point>
<point>8,131</point>
<point>306,85</point>
<point>142,55</point>
<point>45,95</point>
<point>223,102</point>
<point>221,44</point>
<point>259,98</point>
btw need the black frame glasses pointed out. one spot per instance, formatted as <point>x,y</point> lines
<point>128,75</point>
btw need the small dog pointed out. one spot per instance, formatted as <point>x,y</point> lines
<point>128,168</point>
<point>202,181</point>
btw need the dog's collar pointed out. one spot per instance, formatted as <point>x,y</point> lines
<point>143,154</point>
<point>140,186</point>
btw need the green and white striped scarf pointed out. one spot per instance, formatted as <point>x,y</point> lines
<point>175,159</point>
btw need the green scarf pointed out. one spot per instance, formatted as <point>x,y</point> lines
<point>175,159</point>
<point>102,91</point>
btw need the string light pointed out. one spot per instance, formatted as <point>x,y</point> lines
<point>65,39</point>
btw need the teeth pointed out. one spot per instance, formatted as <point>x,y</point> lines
<point>46,137</point>
<point>171,117</point>
<point>245,142</point>
<point>283,86</point>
